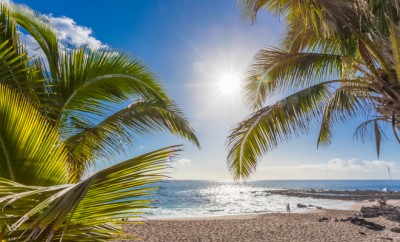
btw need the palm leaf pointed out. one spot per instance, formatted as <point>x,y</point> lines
<point>112,135</point>
<point>265,128</point>
<point>356,40</point>
<point>88,211</point>
<point>87,86</point>
<point>348,101</point>
<point>372,130</point>
<point>316,14</point>
<point>378,137</point>
<point>42,32</point>
<point>93,81</point>
<point>16,69</point>
<point>394,39</point>
<point>394,128</point>
<point>275,71</point>
<point>30,150</point>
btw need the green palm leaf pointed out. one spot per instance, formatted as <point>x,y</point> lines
<point>16,69</point>
<point>266,128</point>
<point>30,150</point>
<point>346,102</point>
<point>79,93</point>
<point>94,81</point>
<point>113,134</point>
<point>42,32</point>
<point>319,15</point>
<point>83,87</point>
<point>277,71</point>
<point>88,211</point>
<point>354,41</point>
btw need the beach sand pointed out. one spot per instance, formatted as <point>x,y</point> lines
<point>266,227</point>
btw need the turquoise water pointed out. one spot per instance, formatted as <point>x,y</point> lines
<point>215,198</point>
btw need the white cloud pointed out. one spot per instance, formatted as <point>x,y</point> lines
<point>182,162</point>
<point>333,169</point>
<point>352,165</point>
<point>69,33</point>
<point>31,45</point>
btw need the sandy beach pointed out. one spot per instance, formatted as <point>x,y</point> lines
<point>268,227</point>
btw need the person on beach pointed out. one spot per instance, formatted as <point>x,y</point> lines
<point>288,207</point>
<point>382,201</point>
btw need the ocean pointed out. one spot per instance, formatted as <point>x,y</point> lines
<point>179,199</point>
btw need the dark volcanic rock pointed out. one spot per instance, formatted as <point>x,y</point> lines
<point>396,230</point>
<point>323,219</point>
<point>386,238</point>
<point>390,212</point>
<point>299,205</point>
<point>367,224</point>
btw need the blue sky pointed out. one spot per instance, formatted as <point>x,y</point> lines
<point>192,46</point>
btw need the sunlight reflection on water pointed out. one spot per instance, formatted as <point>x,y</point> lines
<point>200,198</point>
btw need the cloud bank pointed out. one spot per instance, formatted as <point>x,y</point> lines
<point>182,162</point>
<point>334,169</point>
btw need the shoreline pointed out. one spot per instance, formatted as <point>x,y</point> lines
<point>356,206</point>
<point>246,215</point>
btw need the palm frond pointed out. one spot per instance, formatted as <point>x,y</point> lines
<point>314,14</point>
<point>266,128</point>
<point>347,101</point>
<point>300,38</point>
<point>356,40</point>
<point>16,69</point>
<point>378,137</point>
<point>14,61</point>
<point>121,129</point>
<point>42,32</point>
<point>91,210</point>
<point>250,8</point>
<point>30,150</point>
<point>274,70</point>
<point>372,130</point>
<point>395,42</point>
<point>94,81</point>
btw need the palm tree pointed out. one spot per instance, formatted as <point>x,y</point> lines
<point>53,210</point>
<point>338,60</point>
<point>98,99</point>
<point>61,113</point>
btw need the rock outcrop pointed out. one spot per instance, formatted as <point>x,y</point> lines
<point>389,212</point>
<point>299,205</point>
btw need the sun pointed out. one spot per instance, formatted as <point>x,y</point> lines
<point>229,84</point>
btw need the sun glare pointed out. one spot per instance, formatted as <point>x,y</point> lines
<point>229,84</point>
